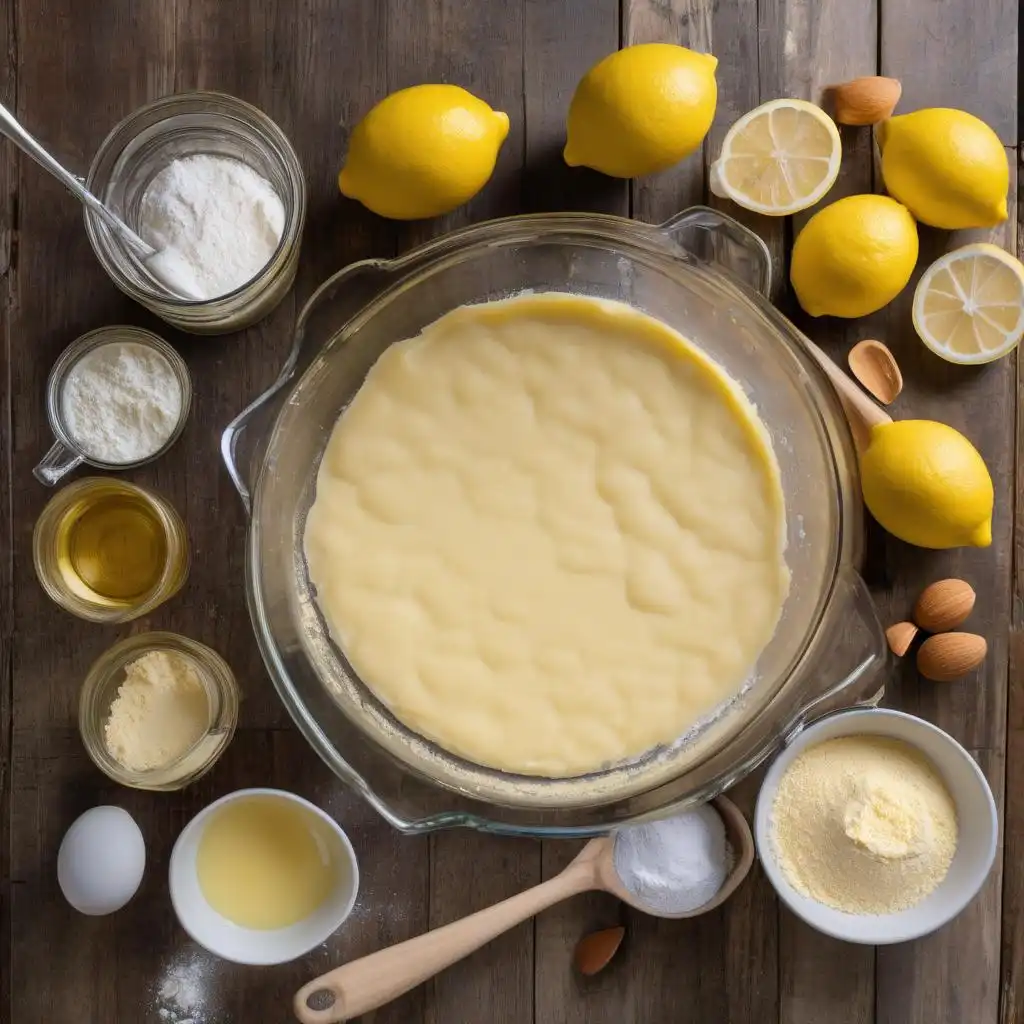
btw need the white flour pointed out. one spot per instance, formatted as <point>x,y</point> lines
<point>121,402</point>
<point>675,865</point>
<point>186,990</point>
<point>216,221</point>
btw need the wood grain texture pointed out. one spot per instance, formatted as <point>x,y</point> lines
<point>8,255</point>
<point>1011,1003</point>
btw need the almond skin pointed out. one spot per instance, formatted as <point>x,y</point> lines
<point>900,636</point>
<point>944,605</point>
<point>949,656</point>
<point>866,100</point>
<point>594,951</point>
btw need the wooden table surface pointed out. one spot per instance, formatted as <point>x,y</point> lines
<point>72,70</point>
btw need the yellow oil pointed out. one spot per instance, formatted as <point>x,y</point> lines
<point>264,862</point>
<point>111,546</point>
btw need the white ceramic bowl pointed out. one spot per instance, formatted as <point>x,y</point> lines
<point>977,820</point>
<point>242,945</point>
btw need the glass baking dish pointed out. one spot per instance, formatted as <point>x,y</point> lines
<point>704,274</point>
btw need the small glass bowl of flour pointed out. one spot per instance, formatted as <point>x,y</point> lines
<point>117,398</point>
<point>214,185</point>
<point>157,710</point>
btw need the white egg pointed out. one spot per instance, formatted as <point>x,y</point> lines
<point>101,861</point>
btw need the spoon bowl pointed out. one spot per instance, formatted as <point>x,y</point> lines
<point>362,985</point>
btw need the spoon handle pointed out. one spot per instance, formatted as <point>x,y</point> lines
<point>29,145</point>
<point>371,981</point>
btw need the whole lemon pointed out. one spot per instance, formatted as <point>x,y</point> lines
<point>641,110</point>
<point>946,166</point>
<point>928,485</point>
<point>422,152</point>
<point>854,257</point>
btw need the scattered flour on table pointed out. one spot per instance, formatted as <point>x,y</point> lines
<point>675,865</point>
<point>215,221</point>
<point>121,402</point>
<point>184,988</point>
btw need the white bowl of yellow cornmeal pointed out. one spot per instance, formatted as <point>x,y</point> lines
<point>875,826</point>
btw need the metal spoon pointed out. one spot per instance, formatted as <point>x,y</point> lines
<point>28,144</point>
<point>371,981</point>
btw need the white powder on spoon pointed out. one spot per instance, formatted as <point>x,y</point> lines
<point>215,222</point>
<point>676,865</point>
<point>121,402</point>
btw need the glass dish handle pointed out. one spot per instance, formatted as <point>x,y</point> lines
<point>860,664</point>
<point>56,464</point>
<point>243,440</point>
<point>718,239</point>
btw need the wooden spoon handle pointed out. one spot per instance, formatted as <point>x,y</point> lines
<point>861,410</point>
<point>372,981</point>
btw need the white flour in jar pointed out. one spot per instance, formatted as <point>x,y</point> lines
<point>215,222</point>
<point>676,865</point>
<point>121,402</point>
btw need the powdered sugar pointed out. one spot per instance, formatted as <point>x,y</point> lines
<point>676,865</point>
<point>121,402</point>
<point>215,221</point>
<point>182,994</point>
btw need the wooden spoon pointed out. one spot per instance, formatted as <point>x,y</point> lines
<point>371,981</point>
<point>862,413</point>
<point>876,368</point>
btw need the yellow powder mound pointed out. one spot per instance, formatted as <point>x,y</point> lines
<point>864,824</point>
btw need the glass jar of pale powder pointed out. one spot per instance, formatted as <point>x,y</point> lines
<point>157,710</point>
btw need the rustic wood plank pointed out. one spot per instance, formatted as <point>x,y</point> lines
<point>8,234</point>
<point>560,43</point>
<point>948,53</point>
<point>1011,1005</point>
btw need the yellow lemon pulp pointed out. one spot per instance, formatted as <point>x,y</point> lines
<point>854,257</point>
<point>947,167</point>
<point>641,110</point>
<point>780,158</point>
<point>928,485</point>
<point>422,152</point>
<point>969,305</point>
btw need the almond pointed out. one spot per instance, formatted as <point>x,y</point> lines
<point>594,951</point>
<point>865,100</point>
<point>900,636</point>
<point>874,365</point>
<point>943,605</point>
<point>949,656</point>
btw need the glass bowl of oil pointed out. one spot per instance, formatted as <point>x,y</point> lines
<point>110,551</point>
<point>100,689</point>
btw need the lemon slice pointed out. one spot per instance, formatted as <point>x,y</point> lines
<point>781,157</point>
<point>969,305</point>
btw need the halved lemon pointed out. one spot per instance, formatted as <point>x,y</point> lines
<point>969,305</point>
<point>780,158</point>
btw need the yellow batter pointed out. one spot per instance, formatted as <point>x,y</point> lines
<point>548,532</point>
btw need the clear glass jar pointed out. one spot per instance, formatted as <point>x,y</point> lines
<point>59,555</point>
<point>182,125</point>
<point>66,454</point>
<point>103,682</point>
